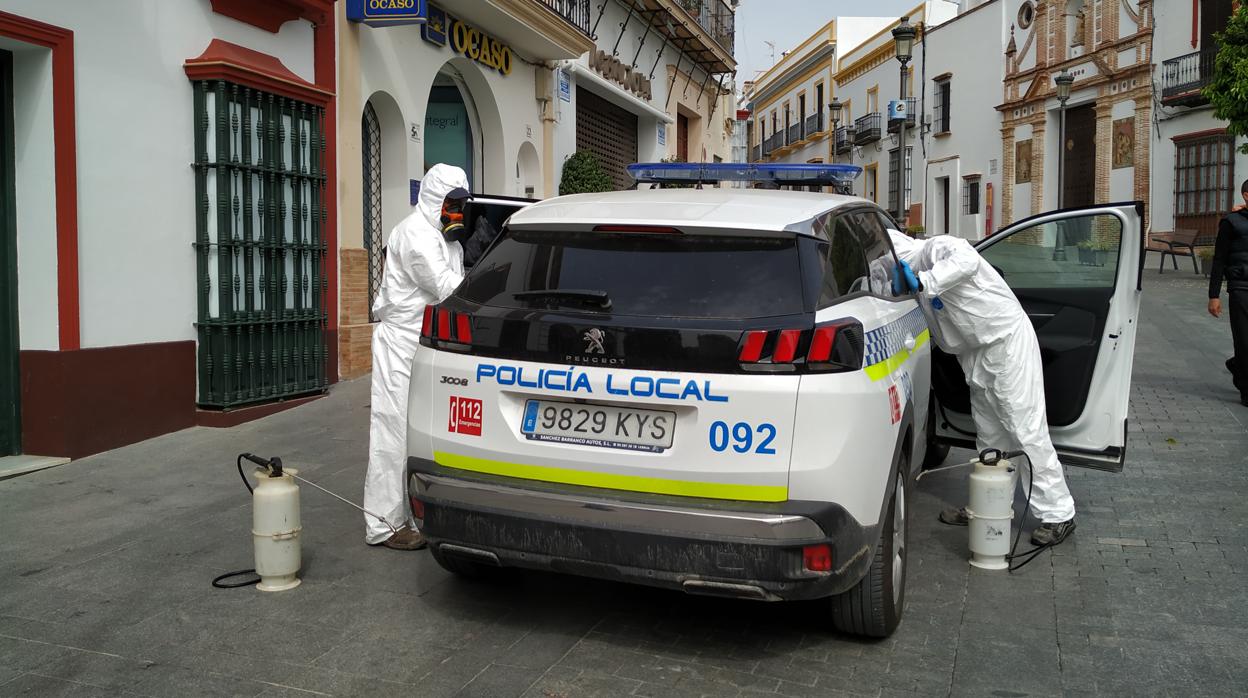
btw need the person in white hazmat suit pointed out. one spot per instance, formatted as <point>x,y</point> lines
<point>421,268</point>
<point>974,315</point>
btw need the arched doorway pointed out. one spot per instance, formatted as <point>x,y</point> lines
<point>451,131</point>
<point>528,172</point>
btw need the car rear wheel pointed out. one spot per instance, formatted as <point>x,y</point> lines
<point>873,607</point>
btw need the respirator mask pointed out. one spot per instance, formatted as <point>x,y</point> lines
<point>453,207</point>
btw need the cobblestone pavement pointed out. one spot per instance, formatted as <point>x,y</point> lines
<point>105,566</point>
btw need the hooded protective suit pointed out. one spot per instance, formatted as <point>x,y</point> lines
<point>421,267</point>
<point>974,315</point>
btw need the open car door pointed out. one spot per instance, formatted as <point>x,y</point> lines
<point>495,209</point>
<point>1077,274</point>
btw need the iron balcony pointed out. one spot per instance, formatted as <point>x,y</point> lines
<point>867,128</point>
<point>844,141</point>
<point>1183,78</point>
<point>576,12</point>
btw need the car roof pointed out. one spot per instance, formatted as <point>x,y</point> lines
<point>727,209</point>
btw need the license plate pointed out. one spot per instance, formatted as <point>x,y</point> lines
<point>598,425</point>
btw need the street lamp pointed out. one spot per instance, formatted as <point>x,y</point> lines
<point>834,111</point>
<point>903,42</point>
<point>1062,84</point>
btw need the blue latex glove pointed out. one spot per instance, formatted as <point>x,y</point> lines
<point>904,280</point>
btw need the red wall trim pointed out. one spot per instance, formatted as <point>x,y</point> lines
<point>1199,134</point>
<point>270,15</point>
<point>1195,22</point>
<point>225,61</point>
<point>64,139</point>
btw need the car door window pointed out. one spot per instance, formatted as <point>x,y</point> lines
<point>845,263</point>
<point>877,249</point>
<point>1078,252</point>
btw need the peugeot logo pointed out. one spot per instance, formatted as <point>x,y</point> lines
<point>593,341</point>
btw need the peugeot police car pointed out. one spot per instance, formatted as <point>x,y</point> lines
<point>712,390</point>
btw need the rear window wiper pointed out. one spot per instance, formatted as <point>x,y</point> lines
<point>587,296</point>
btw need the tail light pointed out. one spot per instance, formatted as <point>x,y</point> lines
<point>418,508</point>
<point>817,558</point>
<point>826,347</point>
<point>446,326</point>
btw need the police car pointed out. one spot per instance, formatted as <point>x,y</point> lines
<point>711,390</point>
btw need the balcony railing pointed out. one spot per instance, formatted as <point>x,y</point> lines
<point>756,153</point>
<point>795,133</point>
<point>894,124</point>
<point>867,128</point>
<point>843,140</point>
<point>773,142</point>
<point>814,124</point>
<point>715,17</point>
<point>1184,77</point>
<point>577,12</point>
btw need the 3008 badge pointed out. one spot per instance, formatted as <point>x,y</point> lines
<point>465,416</point>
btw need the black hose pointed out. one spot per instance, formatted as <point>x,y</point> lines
<point>246,583</point>
<point>1026,555</point>
<point>240,474</point>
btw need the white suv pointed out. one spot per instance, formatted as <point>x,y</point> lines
<point>709,390</point>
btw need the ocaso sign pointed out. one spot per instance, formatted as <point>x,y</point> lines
<point>480,47</point>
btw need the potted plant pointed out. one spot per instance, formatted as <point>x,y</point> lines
<point>916,231</point>
<point>1101,252</point>
<point>1087,255</point>
<point>1206,259</point>
<point>583,175</point>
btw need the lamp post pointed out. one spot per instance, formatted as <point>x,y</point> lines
<point>1062,84</point>
<point>903,41</point>
<point>834,111</point>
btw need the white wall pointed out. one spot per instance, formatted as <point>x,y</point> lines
<point>136,189</point>
<point>36,196</point>
<point>970,48</point>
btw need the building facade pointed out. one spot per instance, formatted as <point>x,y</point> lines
<point>1107,47</point>
<point>656,86</point>
<point>1197,168</point>
<point>869,78</point>
<point>470,87</point>
<point>169,215</point>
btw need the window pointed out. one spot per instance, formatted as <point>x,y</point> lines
<point>819,103</point>
<point>859,257</point>
<point>801,107</point>
<point>1090,244</point>
<point>1026,14</point>
<point>706,276</point>
<point>878,250</point>
<point>870,179</point>
<point>873,100</point>
<point>897,204</point>
<point>370,158</point>
<point>260,245</point>
<point>1204,181</point>
<point>970,195</point>
<point>941,105</point>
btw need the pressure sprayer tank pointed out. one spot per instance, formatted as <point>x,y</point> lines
<point>991,511</point>
<point>275,528</point>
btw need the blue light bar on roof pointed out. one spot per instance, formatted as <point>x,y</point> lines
<point>713,172</point>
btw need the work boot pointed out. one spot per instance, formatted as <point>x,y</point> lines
<point>955,517</point>
<point>405,539</point>
<point>1050,534</point>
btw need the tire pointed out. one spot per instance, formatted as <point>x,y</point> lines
<point>936,452</point>
<point>463,567</point>
<point>873,607</point>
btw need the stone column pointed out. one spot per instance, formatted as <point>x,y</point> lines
<point>1143,140</point>
<point>1007,175</point>
<point>1038,148</point>
<point>1104,147</point>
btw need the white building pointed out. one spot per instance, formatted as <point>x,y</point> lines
<point>123,121</point>
<point>1196,166</point>
<point>789,102</point>
<point>658,85</point>
<point>868,78</point>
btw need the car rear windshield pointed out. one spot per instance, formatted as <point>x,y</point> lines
<point>669,275</point>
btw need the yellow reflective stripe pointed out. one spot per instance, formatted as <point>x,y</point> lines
<point>631,483</point>
<point>884,368</point>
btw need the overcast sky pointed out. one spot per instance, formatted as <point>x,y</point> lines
<point>788,23</point>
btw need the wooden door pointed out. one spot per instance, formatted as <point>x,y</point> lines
<point>682,137</point>
<point>1079,157</point>
<point>10,415</point>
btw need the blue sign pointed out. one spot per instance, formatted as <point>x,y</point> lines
<point>435,28</point>
<point>387,13</point>
<point>414,184</point>
<point>565,86</point>
<point>897,109</point>
<point>662,134</point>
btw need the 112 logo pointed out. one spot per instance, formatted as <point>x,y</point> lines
<point>465,416</point>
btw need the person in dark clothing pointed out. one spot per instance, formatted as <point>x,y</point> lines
<point>1230,260</point>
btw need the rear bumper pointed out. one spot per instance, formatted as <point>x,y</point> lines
<point>738,549</point>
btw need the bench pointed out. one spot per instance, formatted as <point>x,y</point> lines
<point>1180,243</point>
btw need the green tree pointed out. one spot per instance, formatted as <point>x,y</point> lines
<point>583,175</point>
<point>1227,90</point>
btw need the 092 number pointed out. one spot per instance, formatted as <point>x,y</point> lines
<point>743,437</point>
